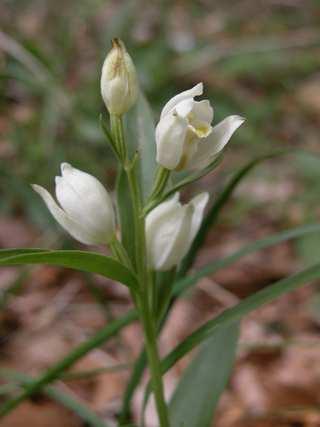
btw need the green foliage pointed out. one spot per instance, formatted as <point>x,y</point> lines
<point>59,368</point>
<point>215,210</point>
<point>212,267</point>
<point>203,381</point>
<point>254,73</point>
<point>66,399</point>
<point>236,313</point>
<point>102,336</point>
<point>89,262</point>
<point>141,139</point>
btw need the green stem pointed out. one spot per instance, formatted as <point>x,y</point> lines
<point>160,182</point>
<point>154,363</point>
<point>143,300</point>
<point>119,252</point>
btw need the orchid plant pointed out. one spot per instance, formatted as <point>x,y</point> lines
<point>153,239</point>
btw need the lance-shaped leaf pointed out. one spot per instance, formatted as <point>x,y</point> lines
<point>68,400</point>
<point>236,313</point>
<point>70,359</point>
<point>140,138</point>
<point>90,262</point>
<point>218,205</point>
<point>198,392</point>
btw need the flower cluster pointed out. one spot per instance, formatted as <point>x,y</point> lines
<point>185,139</point>
<point>184,135</point>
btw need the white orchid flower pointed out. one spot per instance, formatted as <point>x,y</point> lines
<point>119,82</point>
<point>85,210</point>
<point>184,135</point>
<point>171,228</point>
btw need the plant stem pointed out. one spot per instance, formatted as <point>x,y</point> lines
<point>154,363</point>
<point>144,299</point>
<point>161,179</point>
<point>119,252</point>
<point>144,306</point>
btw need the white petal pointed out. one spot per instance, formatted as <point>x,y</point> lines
<point>199,116</point>
<point>163,208</point>
<point>199,203</point>
<point>73,228</point>
<point>191,93</point>
<point>209,147</point>
<point>167,231</point>
<point>162,224</point>
<point>85,200</point>
<point>170,136</point>
<point>179,242</point>
<point>184,108</point>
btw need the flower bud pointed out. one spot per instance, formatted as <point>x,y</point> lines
<point>184,135</point>
<point>170,230</point>
<point>119,83</point>
<point>85,210</point>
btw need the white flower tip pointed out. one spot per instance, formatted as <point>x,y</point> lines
<point>198,89</point>
<point>204,197</point>
<point>176,196</point>
<point>65,168</point>
<point>201,200</point>
<point>43,193</point>
<point>57,179</point>
<point>238,119</point>
<point>37,188</point>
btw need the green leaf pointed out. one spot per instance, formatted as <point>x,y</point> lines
<point>137,372</point>
<point>183,284</point>
<point>103,335</point>
<point>5,253</point>
<point>203,381</point>
<point>79,260</point>
<point>220,202</point>
<point>140,136</point>
<point>182,183</point>
<point>70,359</point>
<point>237,312</point>
<point>66,399</point>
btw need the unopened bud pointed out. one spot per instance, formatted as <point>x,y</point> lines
<point>119,83</point>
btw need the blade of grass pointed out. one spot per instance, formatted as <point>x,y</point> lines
<point>55,371</point>
<point>215,210</point>
<point>75,376</point>
<point>106,333</point>
<point>66,399</point>
<point>134,381</point>
<point>237,312</point>
<point>185,283</point>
